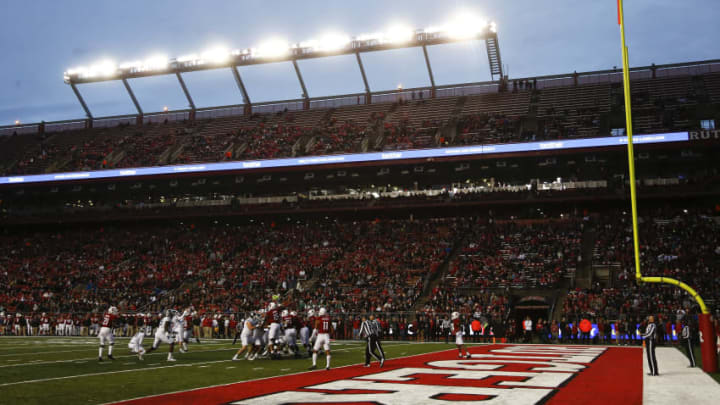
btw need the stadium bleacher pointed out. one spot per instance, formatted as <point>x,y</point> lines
<point>543,112</point>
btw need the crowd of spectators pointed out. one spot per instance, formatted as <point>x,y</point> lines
<point>144,146</point>
<point>354,267</point>
<point>513,254</point>
<point>684,246</point>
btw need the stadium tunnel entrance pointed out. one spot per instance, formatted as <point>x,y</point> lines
<point>533,306</point>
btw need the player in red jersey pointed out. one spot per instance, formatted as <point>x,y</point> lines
<point>106,333</point>
<point>188,315</point>
<point>44,324</point>
<point>290,324</point>
<point>272,320</point>
<point>322,327</point>
<point>457,330</point>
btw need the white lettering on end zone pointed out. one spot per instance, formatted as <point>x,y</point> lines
<point>546,369</point>
<point>550,380</point>
<point>400,394</point>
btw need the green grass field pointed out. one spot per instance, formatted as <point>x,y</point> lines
<point>61,370</point>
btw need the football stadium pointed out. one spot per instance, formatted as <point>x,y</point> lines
<point>409,202</point>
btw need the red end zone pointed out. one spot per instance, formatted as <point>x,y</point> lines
<point>504,374</point>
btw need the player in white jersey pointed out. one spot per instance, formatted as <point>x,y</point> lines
<point>178,322</point>
<point>163,334</point>
<point>259,334</point>
<point>246,338</point>
<point>135,344</point>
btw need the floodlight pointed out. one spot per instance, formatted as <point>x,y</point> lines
<point>215,55</point>
<point>272,48</point>
<point>398,34</point>
<point>333,42</point>
<point>156,62</point>
<point>105,68</point>
<point>465,26</point>
<point>130,65</point>
<point>375,36</point>
<point>188,58</point>
<point>493,27</point>
<point>165,109</point>
<point>77,71</point>
<point>17,122</point>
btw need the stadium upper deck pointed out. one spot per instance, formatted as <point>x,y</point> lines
<point>666,98</point>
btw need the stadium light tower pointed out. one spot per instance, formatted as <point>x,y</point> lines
<point>465,28</point>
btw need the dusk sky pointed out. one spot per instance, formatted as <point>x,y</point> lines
<point>40,39</point>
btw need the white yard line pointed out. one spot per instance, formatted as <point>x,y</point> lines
<point>677,384</point>
<point>40,353</point>
<point>37,362</point>
<point>104,373</point>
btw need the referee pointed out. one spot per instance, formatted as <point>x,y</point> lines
<point>650,337</point>
<point>370,331</point>
<point>686,337</point>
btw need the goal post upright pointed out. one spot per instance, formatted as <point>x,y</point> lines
<point>708,346</point>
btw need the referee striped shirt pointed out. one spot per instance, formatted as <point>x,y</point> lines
<point>369,328</point>
<point>649,332</point>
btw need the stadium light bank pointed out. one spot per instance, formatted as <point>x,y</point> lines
<point>465,27</point>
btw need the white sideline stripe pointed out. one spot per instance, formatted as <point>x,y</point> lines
<point>677,384</point>
<point>281,375</point>
<point>105,373</point>
<point>37,362</point>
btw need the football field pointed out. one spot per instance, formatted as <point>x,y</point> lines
<point>61,370</point>
<point>66,370</point>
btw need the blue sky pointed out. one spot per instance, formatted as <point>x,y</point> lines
<point>40,39</point>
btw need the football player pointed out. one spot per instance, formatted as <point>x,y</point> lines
<point>189,315</point>
<point>178,321</point>
<point>456,328</point>
<point>44,324</point>
<point>322,330</point>
<point>246,338</point>
<point>272,320</point>
<point>290,324</point>
<point>135,344</point>
<point>163,334</point>
<point>306,330</point>
<point>106,333</point>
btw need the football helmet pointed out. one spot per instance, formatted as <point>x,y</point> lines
<point>455,315</point>
<point>293,313</point>
<point>322,311</point>
<point>272,306</point>
<point>44,315</point>
<point>284,313</point>
<point>311,313</point>
<point>113,310</point>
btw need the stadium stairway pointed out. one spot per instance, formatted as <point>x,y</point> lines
<point>434,279</point>
<point>584,272</point>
